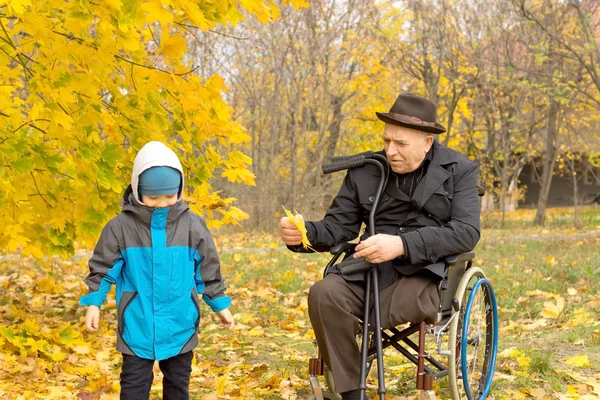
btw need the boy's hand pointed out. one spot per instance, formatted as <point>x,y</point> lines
<point>289,233</point>
<point>92,318</point>
<point>226,318</point>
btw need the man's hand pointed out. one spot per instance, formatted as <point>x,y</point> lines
<point>226,318</point>
<point>92,318</point>
<point>379,248</point>
<point>290,235</point>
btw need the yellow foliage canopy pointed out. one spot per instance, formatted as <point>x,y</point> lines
<point>84,88</point>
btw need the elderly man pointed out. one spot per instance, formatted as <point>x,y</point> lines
<point>428,210</point>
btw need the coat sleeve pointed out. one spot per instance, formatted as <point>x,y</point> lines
<point>460,234</point>
<point>341,223</point>
<point>105,268</point>
<point>209,282</point>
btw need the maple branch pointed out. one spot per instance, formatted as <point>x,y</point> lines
<point>153,37</point>
<point>38,190</point>
<point>167,110</point>
<point>8,39</point>
<point>184,26</point>
<point>31,124</point>
<point>171,94</point>
<point>155,68</point>
<point>226,35</point>
<point>132,79</point>
<point>83,95</point>
<point>20,62</point>
<point>62,108</point>
<point>39,129</point>
<point>70,36</point>
<point>54,172</point>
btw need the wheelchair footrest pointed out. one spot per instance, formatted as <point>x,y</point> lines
<point>316,387</point>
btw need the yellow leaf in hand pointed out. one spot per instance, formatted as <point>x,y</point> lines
<point>298,221</point>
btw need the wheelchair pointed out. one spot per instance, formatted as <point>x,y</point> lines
<point>465,330</point>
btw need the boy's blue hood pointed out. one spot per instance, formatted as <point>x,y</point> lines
<point>154,154</point>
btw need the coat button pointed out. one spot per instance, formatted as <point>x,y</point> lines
<point>428,215</point>
<point>401,230</point>
<point>432,257</point>
<point>371,199</point>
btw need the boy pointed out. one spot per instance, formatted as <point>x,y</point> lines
<point>161,257</point>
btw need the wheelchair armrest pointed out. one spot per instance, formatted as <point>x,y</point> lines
<point>342,247</point>
<point>457,258</point>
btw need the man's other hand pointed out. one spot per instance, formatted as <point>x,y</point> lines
<point>379,248</point>
<point>290,235</point>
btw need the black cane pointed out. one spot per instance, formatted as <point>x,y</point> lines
<point>372,275</point>
<point>380,161</point>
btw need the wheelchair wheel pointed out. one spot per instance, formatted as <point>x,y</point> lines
<point>473,338</point>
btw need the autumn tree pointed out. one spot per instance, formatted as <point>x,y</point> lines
<point>298,85</point>
<point>84,86</point>
<point>429,52</point>
<point>571,61</point>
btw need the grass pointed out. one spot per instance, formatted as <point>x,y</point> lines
<point>517,268</point>
<point>266,355</point>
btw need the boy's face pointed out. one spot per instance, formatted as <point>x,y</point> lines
<point>161,201</point>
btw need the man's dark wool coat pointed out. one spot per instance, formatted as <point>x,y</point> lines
<point>441,217</point>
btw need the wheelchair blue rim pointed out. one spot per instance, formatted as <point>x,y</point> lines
<point>467,318</point>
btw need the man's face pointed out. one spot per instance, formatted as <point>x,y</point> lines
<point>405,148</point>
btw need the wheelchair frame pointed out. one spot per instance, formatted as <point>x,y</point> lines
<point>458,291</point>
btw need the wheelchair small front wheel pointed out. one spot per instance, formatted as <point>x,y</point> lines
<point>473,338</point>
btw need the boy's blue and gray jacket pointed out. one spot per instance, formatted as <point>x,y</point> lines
<point>160,260</point>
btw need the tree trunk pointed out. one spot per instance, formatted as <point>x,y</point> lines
<point>549,162</point>
<point>576,207</point>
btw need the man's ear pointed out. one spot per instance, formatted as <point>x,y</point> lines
<point>428,142</point>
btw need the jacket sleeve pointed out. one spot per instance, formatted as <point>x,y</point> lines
<point>105,268</point>
<point>341,223</point>
<point>209,281</point>
<point>460,234</point>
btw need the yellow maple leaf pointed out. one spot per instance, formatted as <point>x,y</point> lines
<point>298,221</point>
<point>523,361</point>
<point>578,361</point>
<point>553,310</point>
<point>174,46</point>
<point>19,6</point>
<point>157,12</point>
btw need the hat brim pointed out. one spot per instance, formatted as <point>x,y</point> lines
<point>402,120</point>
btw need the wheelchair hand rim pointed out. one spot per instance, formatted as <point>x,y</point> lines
<point>467,317</point>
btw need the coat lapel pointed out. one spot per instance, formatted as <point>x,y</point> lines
<point>393,190</point>
<point>434,178</point>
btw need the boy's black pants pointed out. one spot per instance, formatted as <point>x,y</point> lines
<point>137,376</point>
